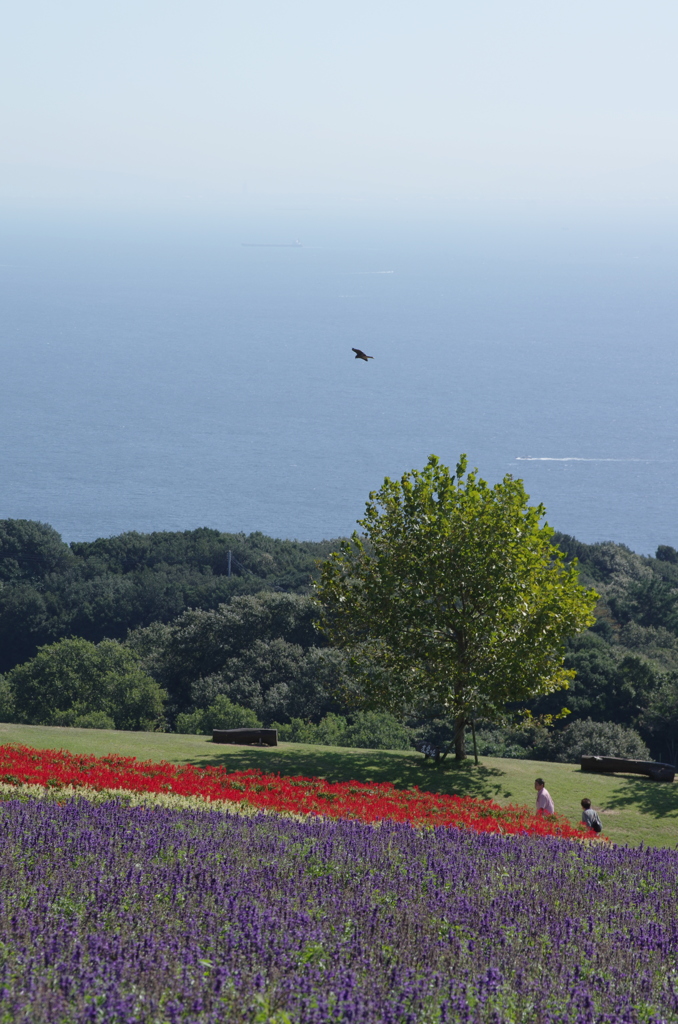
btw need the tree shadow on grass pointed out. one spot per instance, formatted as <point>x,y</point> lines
<point>660,799</point>
<point>403,770</point>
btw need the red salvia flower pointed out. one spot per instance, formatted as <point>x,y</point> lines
<point>364,801</point>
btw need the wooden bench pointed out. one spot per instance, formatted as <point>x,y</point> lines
<point>262,737</point>
<point>654,770</point>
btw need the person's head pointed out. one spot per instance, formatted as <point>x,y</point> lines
<point>586,803</point>
<point>538,783</point>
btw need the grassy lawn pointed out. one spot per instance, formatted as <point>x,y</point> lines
<point>635,810</point>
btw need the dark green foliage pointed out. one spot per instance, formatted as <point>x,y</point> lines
<point>30,551</point>
<point>375,730</point>
<point>222,714</point>
<point>574,548</point>
<point>366,729</point>
<point>586,737</point>
<point>632,588</point>
<point>266,677</point>
<point>660,720</point>
<point>200,643</point>
<point>610,684</point>
<point>7,711</point>
<point>26,621</point>
<point>493,741</point>
<point>288,565</point>
<point>651,602</point>
<point>109,586</point>
<point>247,638</point>
<point>629,657</point>
<point>597,683</point>
<point>665,553</point>
<point>566,744</point>
<point>90,720</point>
<point>604,561</point>
<point>379,730</point>
<point>72,680</point>
<point>262,652</point>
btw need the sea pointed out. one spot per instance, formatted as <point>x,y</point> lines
<point>168,374</point>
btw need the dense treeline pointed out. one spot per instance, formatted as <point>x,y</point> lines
<point>198,643</point>
<point>102,589</point>
<point>261,651</point>
<point>627,664</point>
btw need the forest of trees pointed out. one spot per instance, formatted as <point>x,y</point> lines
<point>180,641</point>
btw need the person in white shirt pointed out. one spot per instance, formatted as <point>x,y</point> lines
<point>544,801</point>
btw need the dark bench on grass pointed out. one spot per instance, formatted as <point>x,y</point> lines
<point>655,770</point>
<point>262,737</point>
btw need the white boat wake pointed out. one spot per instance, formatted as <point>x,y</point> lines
<point>571,458</point>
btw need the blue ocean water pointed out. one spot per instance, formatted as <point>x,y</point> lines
<point>159,377</point>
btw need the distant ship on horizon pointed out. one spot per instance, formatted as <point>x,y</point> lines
<point>296,244</point>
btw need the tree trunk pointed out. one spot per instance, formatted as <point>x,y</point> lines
<point>459,739</point>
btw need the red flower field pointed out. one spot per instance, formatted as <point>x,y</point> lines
<point>364,801</point>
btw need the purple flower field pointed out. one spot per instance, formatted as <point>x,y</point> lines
<point>117,915</point>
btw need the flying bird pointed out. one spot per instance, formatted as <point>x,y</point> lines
<point>359,354</point>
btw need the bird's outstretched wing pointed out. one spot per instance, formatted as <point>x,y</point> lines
<point>359,354</point>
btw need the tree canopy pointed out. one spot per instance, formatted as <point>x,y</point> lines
<point>262,651</point>
<point>202,634</point>
<point>103,588</point>
<point>455,595</point>
<point>74,682</point>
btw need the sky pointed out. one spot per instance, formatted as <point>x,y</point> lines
<point>483,109</point>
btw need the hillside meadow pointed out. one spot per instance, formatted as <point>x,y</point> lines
<point>634,810</point>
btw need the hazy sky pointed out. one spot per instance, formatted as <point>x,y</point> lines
<point>466,107</point>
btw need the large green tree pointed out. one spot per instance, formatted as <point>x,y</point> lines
<point>75,682</point>
<point>453,596</point>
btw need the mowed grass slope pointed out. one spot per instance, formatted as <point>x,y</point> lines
<point>635,810</point>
